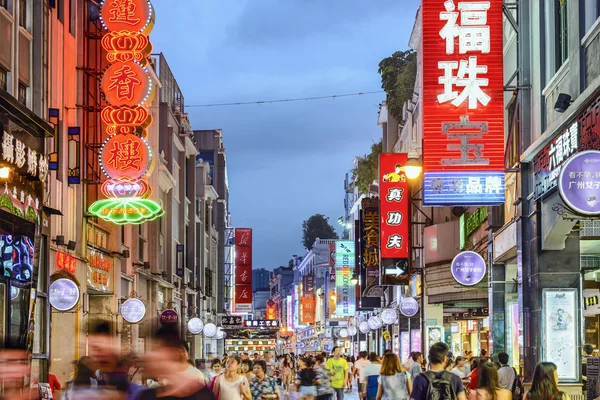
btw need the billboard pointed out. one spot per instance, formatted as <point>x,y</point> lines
<point>394,220</point>
<point>345,253</point>
<point>463,103</point>
<point>367,241</point>
<point>243,270</point>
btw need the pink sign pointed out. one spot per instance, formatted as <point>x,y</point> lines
<point>416,339</point>
<point>405,345</point>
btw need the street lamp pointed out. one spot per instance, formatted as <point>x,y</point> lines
<point>413,166</point>
<point>354,279</point>
<point>4,172</point>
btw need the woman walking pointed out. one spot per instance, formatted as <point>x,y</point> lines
<point>545,384</point>
<point>287,366</point>
<point>393,381</point>
<point>231,385</point>
<point>324,389</point>
<point>487,387</point>
<point>306,380</point>
<point>350,361</point>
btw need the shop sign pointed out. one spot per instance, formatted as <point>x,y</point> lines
<point>469,223</point>
<point>210,330</point>
<point>374,323</point>
<point>591,302</point>
<point>243,258</point>
<point>332,262</point>
<point>14,292</point>
<point>363,327</point>
<point>369,223</point>
<point>415,339</point>
<point>290,314</point>
<point>468,268</point>
<point>232,321</point>
<point>345,266</point>
<point>579,183</point>
<point>98,271</point>
<point>63,294</point>
<point>18,252</point>
<point>389,316</point>
<point>66,262</point>
<point>505,240</point>
<point>416,286</point>
<point>409,307</point>
<point>133,310</point>
<point>126,156</point>
<point>343,333</point>
<point>561,332</point>
<point>463,103</point>
<point>308,308</point>
<point>393,220</point>
<point>405,345</point>
<point>308,283</point>
<point>169,317</point>
<point>261,323</point>
<point>386,335</point>
<point>352,330</point>
<point>271,310</point>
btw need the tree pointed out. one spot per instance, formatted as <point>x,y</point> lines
<point>398,74</point>
<point>315,227</point>
<point>366,169</point>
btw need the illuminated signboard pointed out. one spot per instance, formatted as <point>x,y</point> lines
<point>393,220</point>
<point>344,268</point>
<point>463,104</point>
<point>126,157</point>
<point>243,270</point>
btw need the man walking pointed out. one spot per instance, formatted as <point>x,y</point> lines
<point>338,368</point>
<point>437,383</point>
<point>359,367</point>
<point>506,374</point>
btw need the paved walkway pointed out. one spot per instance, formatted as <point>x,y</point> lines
<point>347,396</point>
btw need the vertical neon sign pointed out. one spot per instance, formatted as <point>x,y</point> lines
<point>126,156</point>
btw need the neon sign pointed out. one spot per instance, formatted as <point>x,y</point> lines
<point>463,106</point>
<point>126,157</point>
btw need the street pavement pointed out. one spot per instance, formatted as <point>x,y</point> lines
<point>347,396</point>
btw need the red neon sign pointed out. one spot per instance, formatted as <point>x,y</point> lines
<point>125,156</point>
<point>126,84</point>
<point>243,270</point>
<point>393,206</point>
<point>126,120</point>
<point>127,15</point>
<point>126,46</point>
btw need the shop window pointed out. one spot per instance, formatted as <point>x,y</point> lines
<point>3,78</point>
<point>23,13</point>
<point>22,95</point>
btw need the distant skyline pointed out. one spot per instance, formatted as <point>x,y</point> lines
<point>286,161</point>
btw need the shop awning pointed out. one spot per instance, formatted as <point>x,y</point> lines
<point>24,117</point>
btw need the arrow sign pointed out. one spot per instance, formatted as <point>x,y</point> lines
<point>394,271</point>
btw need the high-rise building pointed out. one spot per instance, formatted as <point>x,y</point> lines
<point>260,279</point>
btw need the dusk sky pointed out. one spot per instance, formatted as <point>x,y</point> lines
<point>286,161</point>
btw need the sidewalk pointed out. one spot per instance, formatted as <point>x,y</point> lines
<point>347,396</point>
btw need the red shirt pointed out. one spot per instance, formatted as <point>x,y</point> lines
<point>54,383</point>
<point>474,379</point>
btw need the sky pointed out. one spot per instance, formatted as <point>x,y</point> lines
<point>286,161</point>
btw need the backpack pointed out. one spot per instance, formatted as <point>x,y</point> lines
<point>517,389</point>
<point>440,385</point>
<point>372,384</point>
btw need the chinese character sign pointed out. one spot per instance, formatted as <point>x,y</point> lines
<point>345,265</point>
<point>394,220</point>
<point>243,270</point>
<point>463,104</point>
<point>126,157</point>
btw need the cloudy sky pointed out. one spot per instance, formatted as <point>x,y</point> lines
<point>286,161</point>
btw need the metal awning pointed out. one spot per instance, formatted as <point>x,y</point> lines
<point>23,116</point>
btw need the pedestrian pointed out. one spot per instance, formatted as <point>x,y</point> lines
<point>231,385</point>
<point>437,383</point>
<point>324,354</point>
<point>164,361</point>
<point>14,367</point>
<point>53,382</point>
<point>247,367</point>
<point>338,368</point>
<point>487,387</point>
<point>187,365</point>
<point>135,372</point>
<point>306,380</point>
<point>215,370</point>
<point>544,385</point>
<point>287,366</point>
<point>393,382</point>
<point>358,369</point>
<point>370,380</point>
<point>473,375</point>
<point>350,360</point>
<point>506,373</point>
<point>324,389</point>
<point>416,368</point>
<point>270,365</point>
<point>460,368</point>
<point>262,386</point>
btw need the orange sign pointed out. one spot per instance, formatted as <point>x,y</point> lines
<point>125,156</point>
<point>308,308</point>
<point>126,46</point>
<point>126,187</point>
<point>126,120</point>
<point>127,15</point>
<point>271,313</point>
<point>126,84</point>
<point>66,262</point>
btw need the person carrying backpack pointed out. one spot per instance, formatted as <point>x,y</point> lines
<point>371,377</point>
<point>437,383</point>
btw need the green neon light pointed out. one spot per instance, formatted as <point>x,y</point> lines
<point>129,210</point>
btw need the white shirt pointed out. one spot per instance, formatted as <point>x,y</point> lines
<point>230,390</point>
<point>360,365</point>
<point>506,377</point>
<point>461,373</point>
<point>371,369</point>
<point>195,374</point>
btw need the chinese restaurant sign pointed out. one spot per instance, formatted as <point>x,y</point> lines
<point>243,271</point>
<point>98,271</point>
<point>309,300</point>
<point>66,262</point>
<point>393,220</point>
<point>370,291</point>
<point>344,268</point>
<point>579,183</point>
<point>463,104</point>
<point>125,156</point>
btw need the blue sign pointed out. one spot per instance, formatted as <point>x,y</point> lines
<point>63,294</point>
<point>464,188</point>
<point>133,310</point>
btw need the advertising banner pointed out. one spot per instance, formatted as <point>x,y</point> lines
<point>243,270</point>
<point>344,267</point>
<point>99,270</point>
<point>308,308</point>
<point>394,220</point>
<point>561,332</point>
<point>66,262</point>
<point>463,103</point>
<point>369,254</point>
<point>579,183</point>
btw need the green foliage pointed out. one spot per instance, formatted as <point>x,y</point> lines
<point>366,170</point>
<point>398,74</point>
<point>315,227</point>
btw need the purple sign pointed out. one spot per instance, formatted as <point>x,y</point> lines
<point>133,310</point>
<point>415,340</point>
<point>405,345</point>
<point>169,317</point>
<point>579,182</point>
<point>63,294</point>
<point>468,268</point>
<point>409,307</point>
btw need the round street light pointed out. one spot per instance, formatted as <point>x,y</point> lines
<point>354,279</point>
<point>413,167</point>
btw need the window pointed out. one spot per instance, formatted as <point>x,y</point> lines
<point>23,13</point>
<point>591,13</point>
<point>3,78</point>
<point>555,35</point>
<point>141,244</point>
<point>60,10</point>
<point>72,16</point>
<point>562,34</point>
<point>22,93</point>
<point>4,4</point>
